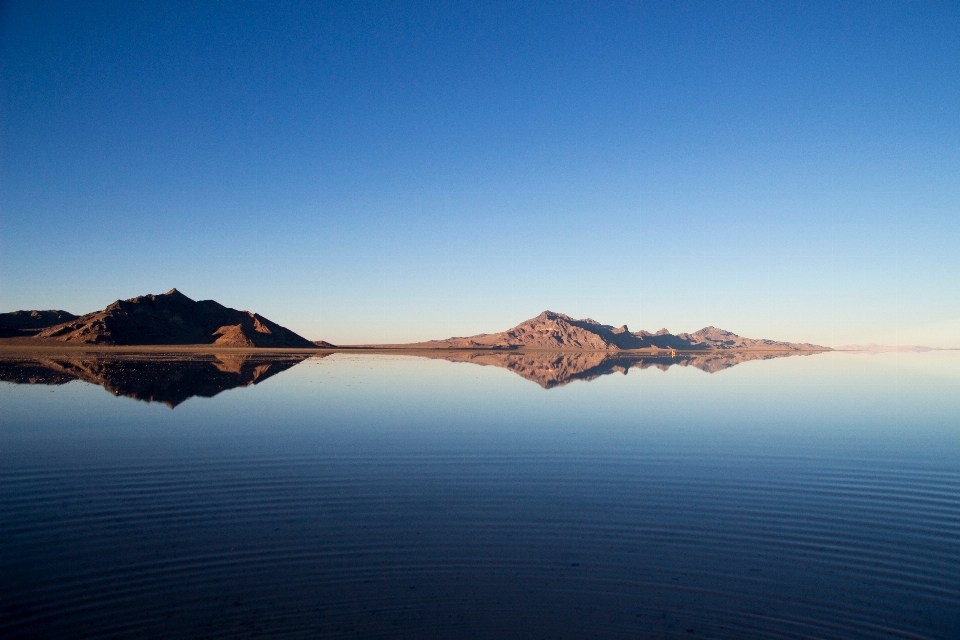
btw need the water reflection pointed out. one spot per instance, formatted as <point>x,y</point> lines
<point>551,370</point>
<point>151,378</point>
<point>175,378</point>
<point>382,496</point>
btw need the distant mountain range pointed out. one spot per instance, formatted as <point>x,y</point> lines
<point>883,348</point>
<point>559,332</point>
<point>174,319</point>
<point>168,319</point>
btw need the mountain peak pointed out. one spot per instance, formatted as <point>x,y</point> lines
<point>714,331</point>
<point>552,315</point>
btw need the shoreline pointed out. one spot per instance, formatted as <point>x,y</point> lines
<point>20,347</point>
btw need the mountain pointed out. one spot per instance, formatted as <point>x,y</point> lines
<point>557,331</point>
<point>25,323</point>
<point>173,318</point>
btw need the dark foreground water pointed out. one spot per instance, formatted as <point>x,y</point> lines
<point>369,496</point>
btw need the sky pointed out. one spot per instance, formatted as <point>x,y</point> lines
<point>399,171</point>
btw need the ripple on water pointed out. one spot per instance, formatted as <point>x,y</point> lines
<point>208,545</point>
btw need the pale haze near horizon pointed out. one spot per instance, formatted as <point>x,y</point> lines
<point>389,173</point>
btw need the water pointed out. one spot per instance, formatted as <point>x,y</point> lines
<point>376,495</point>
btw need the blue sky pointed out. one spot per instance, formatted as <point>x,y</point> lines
<point>365,172</point>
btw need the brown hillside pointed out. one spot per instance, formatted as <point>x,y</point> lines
<point>174,319</point>
<point>560,332</point>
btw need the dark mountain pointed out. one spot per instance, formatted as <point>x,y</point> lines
<point>556,331</point>
<point>25,323</point>
<point>174,319</point>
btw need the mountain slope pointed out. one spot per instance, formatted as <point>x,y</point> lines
<point>25,323</point>
<point>173,318</point>
<point>557,331</point>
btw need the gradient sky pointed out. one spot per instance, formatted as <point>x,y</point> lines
<point>368,172</point>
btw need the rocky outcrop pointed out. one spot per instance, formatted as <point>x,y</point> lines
<point>174,319</point>
<point>560,332</point>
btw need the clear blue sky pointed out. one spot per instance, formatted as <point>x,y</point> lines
<point>400,171</point>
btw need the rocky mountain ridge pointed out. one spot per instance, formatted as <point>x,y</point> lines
<point>558,331</point>
<point>173,319</point>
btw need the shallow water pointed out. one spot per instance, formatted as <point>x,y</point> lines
<point>374,495</point>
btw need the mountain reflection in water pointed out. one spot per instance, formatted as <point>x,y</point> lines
<point>170,379</point>
<point>551,370</point>
<point>175,378</point>
<point>394,496</point>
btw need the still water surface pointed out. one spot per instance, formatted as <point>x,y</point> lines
<point>374,495</point>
